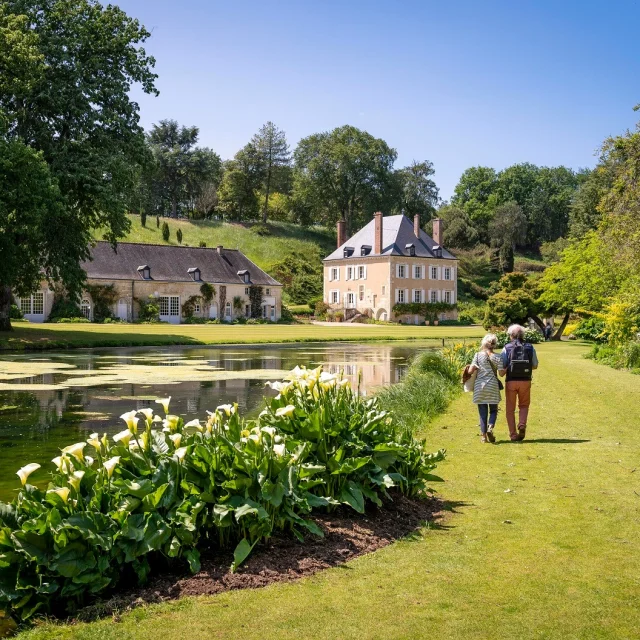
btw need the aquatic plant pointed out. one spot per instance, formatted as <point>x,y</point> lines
<point>163,489</point>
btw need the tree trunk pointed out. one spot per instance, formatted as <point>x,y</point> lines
<point>174,207</point>
<point>5,308</point>
<point>539,322</point>
<point>558,334</point>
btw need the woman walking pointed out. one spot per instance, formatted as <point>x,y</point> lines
<point>486,390</point>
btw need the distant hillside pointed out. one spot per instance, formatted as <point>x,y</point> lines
<point>265,250</point>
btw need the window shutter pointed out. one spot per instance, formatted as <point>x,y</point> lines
<point>397,272</point>
<point>365,272</point>
<point>406,295</point>
<point>422,296</point>
<point>430,275</point>
<point>397,295</point>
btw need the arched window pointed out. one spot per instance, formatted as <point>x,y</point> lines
<point>85,308</point>
<point>228,310</point>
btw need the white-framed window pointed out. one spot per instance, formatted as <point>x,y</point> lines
<point>401,298</point>
<point>447,273</point>
<point>434,296</point>
<point>163,304</point>
<point>273,313</point>
<point>402,271</point>
<point>25,305</point>
<point>350,273</point>
<point>362,272</point>
<point>335,273</point>
<point>85,309</point>
<point>334,296</point>
<point>33,304</point>
<point>196,308</point>
<point>227,310</point>
<point>417,271</point>
<point>267,292</point>
<point>361,293</point>
<point>384,289</point>
<point>350,299</point>
<point>433,273</point>
<point>417,295</point>
<point>246,291</point>
<point>448,297</point>
<point>174,305</point>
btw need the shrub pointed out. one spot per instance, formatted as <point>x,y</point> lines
<point>472,289</point>
<point>590,329</point>
<point>262,229</point>
<point>528,266</point>
<point>530,335</point>
<point>158,222</point>
<point>147,493</point>
<point>338,316</point>
<point>149,309</point>
<point>63,308</point>
<point>179,235</point>
<point>15,313</point>
<point>143,218</point>
<point>202,244</point>
<point>79,320</point>
<point>321,309</point>
<point>103,297</point>
<point>165,232</point>
<point>285,315</point>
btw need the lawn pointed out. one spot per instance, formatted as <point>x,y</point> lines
<point>540,540</point>
<point>62,336</point>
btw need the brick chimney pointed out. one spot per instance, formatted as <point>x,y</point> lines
<point>416,226</point>
<point>437,231</point>
<point>377,231</point>
<point>342,232</point>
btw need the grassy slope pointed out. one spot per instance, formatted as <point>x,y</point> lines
<point>566,566</point>
<point>54,336</point>
<point>263,250</point>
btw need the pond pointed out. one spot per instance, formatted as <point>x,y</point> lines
<point>53,400</point>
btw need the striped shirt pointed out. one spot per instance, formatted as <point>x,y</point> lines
<point>485,390</point>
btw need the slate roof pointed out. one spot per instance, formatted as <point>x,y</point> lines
<point>170,263</point>
<point>397,233</point>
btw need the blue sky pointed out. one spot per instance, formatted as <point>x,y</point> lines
<point>457,83</point>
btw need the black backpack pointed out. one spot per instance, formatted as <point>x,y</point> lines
<point>521,362</point>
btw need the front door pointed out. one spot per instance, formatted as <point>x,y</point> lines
<point>213,310</point>
<point>122,310</point>
<point>170,309</point>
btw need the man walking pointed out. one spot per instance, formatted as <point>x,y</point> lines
<point>519,359</point>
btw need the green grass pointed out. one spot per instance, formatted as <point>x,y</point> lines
<point>62,336</point>
<point>541,539</point>
<point>284,239</point>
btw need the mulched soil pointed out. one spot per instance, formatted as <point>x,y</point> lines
<point>347,535</point>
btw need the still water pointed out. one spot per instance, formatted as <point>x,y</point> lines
<point>50,401</point>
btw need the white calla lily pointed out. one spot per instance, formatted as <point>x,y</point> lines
<point>123,437</point>
<point>63,492</point>
<point>176,438</point>
<point>62,463</point>
<point>111,464</point>
<point>170,423</point>
<point>180,453</point>
<point>131,418</point>
<point>75,479</point>
<point>88,460</point>
<point>76,450</point>
<point>165,403</point>
<point>228,409</point>
<point>94,441</point>
<point>270,430</point>
<point>26,471</point>
<point>279,450</point>
<point>284,412</point>
<point>147,412</point>
<point>194,423</point>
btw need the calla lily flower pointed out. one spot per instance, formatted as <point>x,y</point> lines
<point>279,450</point>
<point>63,492</point>
<point>131,418</point>
<point>62,462</point>
<point>176,438</point>
<point>88,460</point>
<point>111,464</point>
<point>170,423</point>
<point>270,430</point>
<point>123,436</point>
<point>94,441</point>
<point>75,479</point>
<point>180,453</point>
<point>285,411</point>
<point>327,377</point>
<point>157,418</point>
<point>26,471</point>
<point>165,403</point>
<point>194,423</point>
<point>76,450</point>
<point>227,408</point>
<point>147,413</point>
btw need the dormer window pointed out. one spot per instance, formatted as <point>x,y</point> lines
<point>244,274</point>
<point>365,250</point>
<point>194,272</point>
<point>145,272</point>
<point>347,252</point>
<point>411,249</point>
<point>437,251</point>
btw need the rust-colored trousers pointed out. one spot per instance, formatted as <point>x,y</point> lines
<point>520,390</point>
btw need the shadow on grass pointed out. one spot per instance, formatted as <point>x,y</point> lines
<point>544,441</point>
<point>347,535</point>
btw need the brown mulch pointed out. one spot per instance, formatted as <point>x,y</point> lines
<point>347,535</point>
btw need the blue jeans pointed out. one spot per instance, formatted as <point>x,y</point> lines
<point>490,410</point>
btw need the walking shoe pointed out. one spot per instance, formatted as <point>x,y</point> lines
<point>521,432</point>
<point>483,438</point>
<point>490,436</point>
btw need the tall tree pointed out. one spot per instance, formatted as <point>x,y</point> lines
<point>418,190</point>
<point>508,229</point>
<point>238,192</point>
<point>73,146</point>
<point>475,194</point>
<point>273,150</point>
<point>344,173</point>
<point>459,231</point>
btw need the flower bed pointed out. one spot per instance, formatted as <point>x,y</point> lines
<point>165,488</point>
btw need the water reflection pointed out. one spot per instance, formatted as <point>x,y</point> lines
<point>47,403</point>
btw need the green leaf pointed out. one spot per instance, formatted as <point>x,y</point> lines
<point>174,548</point>
<point>193,558</point>
<point>73,560</point>
<point>351,494</point>
<point>241,553</point>
<point>33,545</point>
<point>273,492</point>
<point>151,502</point>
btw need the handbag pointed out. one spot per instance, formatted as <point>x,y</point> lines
<point>495,373</point>
<point>469,379</point>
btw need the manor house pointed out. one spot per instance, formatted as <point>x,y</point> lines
<point>390,261</point>
<point>172,275</point>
